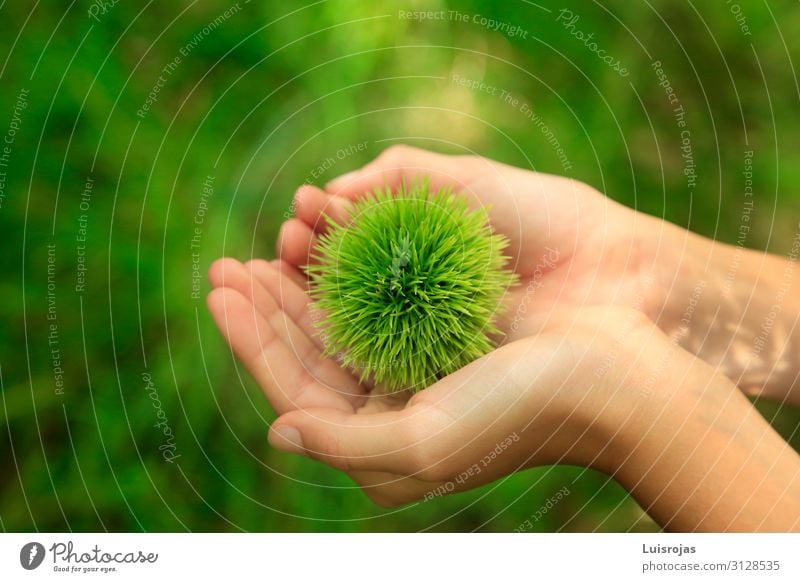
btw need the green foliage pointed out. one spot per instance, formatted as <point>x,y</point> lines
<point>410,287</point>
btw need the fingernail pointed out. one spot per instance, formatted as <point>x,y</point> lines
<point>287,438</point>
<point>336,183</point>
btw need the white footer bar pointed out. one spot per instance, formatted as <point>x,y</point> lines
<point>402,557</point>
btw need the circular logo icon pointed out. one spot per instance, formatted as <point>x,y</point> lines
<point>31,555</point>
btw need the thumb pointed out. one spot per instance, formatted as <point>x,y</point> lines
<point>404,164</point>
<point>392,442</point>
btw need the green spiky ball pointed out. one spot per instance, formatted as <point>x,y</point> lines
<point>410,288</point>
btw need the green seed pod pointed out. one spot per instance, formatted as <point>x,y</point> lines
<point>411,287</point>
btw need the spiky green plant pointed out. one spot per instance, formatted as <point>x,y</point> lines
<point>410,287</point>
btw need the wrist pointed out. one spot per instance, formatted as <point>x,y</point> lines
<point>682,264</point>
<point>733,307</point>
<point>619,369</point>
<point>703,459</point>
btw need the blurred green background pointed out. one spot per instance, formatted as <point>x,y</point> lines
<point>269,95</point>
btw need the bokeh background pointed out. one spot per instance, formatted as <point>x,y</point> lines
<point>267,95</point>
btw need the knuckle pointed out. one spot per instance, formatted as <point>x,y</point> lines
<point>252,269</point>
<point>256,265</point>
<point>334,455</point>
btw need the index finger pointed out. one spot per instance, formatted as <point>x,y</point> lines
<point>404,164</point>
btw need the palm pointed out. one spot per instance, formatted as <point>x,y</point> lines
<point>582,281</point>
<point>570,246</point>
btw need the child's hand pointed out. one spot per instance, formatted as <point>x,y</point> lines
<point>570,245</point>
<point>549,398</point>
<point>584,377</point>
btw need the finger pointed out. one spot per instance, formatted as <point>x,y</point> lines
<point>296,241</point>
<point>290,297</point>
<point>247,280</point>
<point>228,272</point>
<point>400,164</point>
<point>272,296</point>
<point>285,380</point>
<point>292,273</point>
<point>394,442</point>
<point>315,207</point>
<point>221,269</point>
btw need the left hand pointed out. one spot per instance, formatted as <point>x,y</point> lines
<point>545,399</point>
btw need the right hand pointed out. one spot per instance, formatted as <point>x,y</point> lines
<point>570,245</point>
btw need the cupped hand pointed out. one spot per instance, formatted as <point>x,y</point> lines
<point>583,375</point>
<point>570,245</point>
<point>536,384</point>
<point>543,399</point>
<point>599,387</point>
